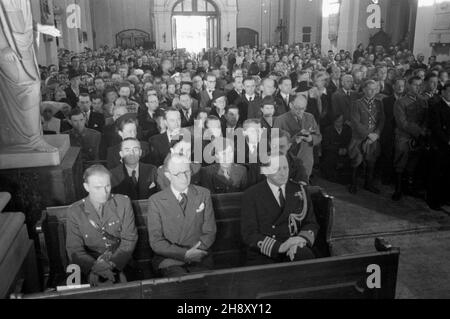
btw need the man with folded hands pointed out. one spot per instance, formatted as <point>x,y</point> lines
<point>181,223</point>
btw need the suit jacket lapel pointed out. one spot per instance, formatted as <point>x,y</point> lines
<point>291,204</point>
<point>173,208</point>
<point>191,210</point>
<point>143,179</point>
<point>272,203</point>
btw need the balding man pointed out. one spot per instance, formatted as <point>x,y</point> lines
<point>181,223</point>
<point>278,222</point>
<point>303,128</point>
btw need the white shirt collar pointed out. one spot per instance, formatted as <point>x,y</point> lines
<point>250,96</point>
<point>448,102</point>
<point>177,193</point>
<point>276,191</point>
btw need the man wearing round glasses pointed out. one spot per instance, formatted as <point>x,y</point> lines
<point>181,223</point>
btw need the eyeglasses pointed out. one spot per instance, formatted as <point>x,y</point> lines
<point>185,173</point>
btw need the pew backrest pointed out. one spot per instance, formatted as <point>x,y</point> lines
<point>345,277</point>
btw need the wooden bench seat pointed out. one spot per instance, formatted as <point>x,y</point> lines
<point>228,249</point>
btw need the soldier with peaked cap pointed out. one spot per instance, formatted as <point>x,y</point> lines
<point>278,222</point>
<point>101,231</point>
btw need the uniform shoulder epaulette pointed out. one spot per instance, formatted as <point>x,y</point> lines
<point>78,203</point>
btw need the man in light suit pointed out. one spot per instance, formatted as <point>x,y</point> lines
<point>303,128</point>
<point>181,223</point>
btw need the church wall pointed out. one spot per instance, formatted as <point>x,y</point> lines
<point>433,27</point>
<point>304,13</point>
<point>263,16</point>
<point>113,16</point>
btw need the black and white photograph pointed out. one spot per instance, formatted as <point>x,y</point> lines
<point>225,154</point>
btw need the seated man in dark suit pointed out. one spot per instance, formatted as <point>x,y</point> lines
<point>147,118</point>
<point>277,218</point>
<point>181,223</point>
<point>254,150</point>
<point>249,100</point>
<point>132,178</point>
<point>268,112</point>
<point>238,89</point>
<point>94,120</point>
<point>232,120</point>
<point>81,136</point>
<point>284,96</point>
<point>224,176</point>
<point>109,135</point>
<point>160,144</point>
<point>188,110</point>
<point>127,128</point>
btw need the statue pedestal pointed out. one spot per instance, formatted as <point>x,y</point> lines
<point>11,157</point>
<point>33,189</point>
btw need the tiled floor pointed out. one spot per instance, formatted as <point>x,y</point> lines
<point>422,235</point>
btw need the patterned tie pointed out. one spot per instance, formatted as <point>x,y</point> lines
<point>282,199</point>
<point>133,177</point>
<point>183,202</point>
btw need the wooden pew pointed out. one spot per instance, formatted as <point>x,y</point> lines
<point>327,278</point>
<point>228,250</point>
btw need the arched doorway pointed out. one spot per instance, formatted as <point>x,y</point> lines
<point>195,25</point>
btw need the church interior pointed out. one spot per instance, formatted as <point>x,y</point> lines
<point>224,149</point>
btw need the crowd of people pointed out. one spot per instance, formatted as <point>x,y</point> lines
<point>145,115</point>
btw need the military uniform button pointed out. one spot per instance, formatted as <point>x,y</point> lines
<point>273,227</point>
<point>273,236</point>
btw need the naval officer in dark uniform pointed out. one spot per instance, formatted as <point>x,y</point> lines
<point>101,231</point>
<point>278,222</point>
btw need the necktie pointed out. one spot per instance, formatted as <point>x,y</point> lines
<point>133,177</point>
<point>282,199</point>
<point>100,210</point>
<point>286,99</point>
<point>183,202</point>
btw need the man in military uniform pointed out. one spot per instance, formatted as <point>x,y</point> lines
<point>101,232</point>
<point>410,118</point>
<point>81,136</point>
<point>367,120</point>
<point>278,222</point>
